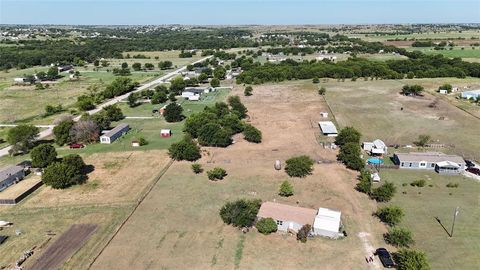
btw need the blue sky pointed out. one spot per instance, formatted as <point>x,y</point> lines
<point>238,12</point>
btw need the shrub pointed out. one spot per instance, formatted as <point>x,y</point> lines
<point>300,166</point>
<point>422,140</point>
<point>365,184</point>
<point>303,233</point>
<point>315,80</point>
<point>407,259</point>
<point>391,215</point>
<point>418,183</point>
<point>399,237</point>
<point>142,141</point>
<point>197,168</point>
<point>452,185</point>
<point>384,193</point>
<point>216,174</point>
<point>240,213</point>
<point>186,149</point>
<point>215,82</point>
<point>252,134</point>
<point>43,155</point>
<point>248,91</point>
<point>286,189</point>
<point>322,91</point>
<point>266,226</point>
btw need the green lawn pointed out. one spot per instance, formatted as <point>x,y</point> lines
<point>423,205</point>
<point>462,52</point>
<point>425,35</point>
<point>149,129</point>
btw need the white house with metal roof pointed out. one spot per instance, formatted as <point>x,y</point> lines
<point>437,161</point>
<point>115,133</point>
<point>474,94</point>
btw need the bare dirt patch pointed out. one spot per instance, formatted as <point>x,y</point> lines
<point>64,247</point>
<point>118,177</point>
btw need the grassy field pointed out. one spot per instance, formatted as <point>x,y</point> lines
<point>162,56</point>
<point>424,35</point>
<point>375,108</point>
<point>466,53</point>
<point>423,205</point>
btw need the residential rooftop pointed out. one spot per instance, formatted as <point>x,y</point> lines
<point>286,212</point>
<point>429,157</point>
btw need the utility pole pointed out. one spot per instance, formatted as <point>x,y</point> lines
<point>455,214</point>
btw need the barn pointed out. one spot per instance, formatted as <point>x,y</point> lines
<point>328,128</point>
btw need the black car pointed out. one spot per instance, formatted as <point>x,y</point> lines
<point>2,239</point>
<point>469,163</point>
<point>385,257</point>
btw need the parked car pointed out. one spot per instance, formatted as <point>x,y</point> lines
<point>474,170</point>
<point>2,239</point>
<point>385,257</point>
<point>469,163</point>
<point>76,145</point>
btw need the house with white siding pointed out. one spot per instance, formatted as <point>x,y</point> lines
<point>435,161</point>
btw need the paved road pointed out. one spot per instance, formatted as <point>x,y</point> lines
<point>163,79</point>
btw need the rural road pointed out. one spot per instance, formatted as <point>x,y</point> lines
<point>163,79</point>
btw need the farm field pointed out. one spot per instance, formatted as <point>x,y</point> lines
<point>178,227</point>
<point>466,53</point>
<point>423,205</point>
<point>375,109</point>
<point>105,199</point>
<point>162,56</point>
<point>425,35</point>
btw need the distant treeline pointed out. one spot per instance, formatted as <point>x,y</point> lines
<point>37,52</point>
<point>419,66</point>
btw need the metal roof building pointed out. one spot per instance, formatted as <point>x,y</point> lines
<point>328,128</point>
<point>115,133</point>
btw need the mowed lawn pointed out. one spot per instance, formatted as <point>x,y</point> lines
<point>423,205</point>
<point>377,110</point>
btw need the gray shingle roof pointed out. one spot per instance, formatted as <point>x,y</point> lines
<point>428,157</point>
<point>7,171</point>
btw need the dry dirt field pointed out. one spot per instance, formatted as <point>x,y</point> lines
<point>118,177</point>
<point>178,226</point>
<point>67,244</point>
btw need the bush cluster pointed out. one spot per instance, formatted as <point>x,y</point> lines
<point>240,213</point>
<point>300,166</point>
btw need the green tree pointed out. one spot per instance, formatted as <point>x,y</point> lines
<point>52,73</point>
<point>315,80</point>
<point>219,73</point>
<point>348,135</point>
<point>248,91</point>
<point>303,233</point>
<point>407,259</point>
<point>215,82</point>
<point>197,168</point>
<point>422,140</point>
<point>212,134</point>
<point>399,237</point>
<point>76,162</point>
<point>237,106</point>
<point>300,166</point>
<point>149,66</point>
<point>266,226</point>
<point>286,189</point>
<point>447,87</point>
<point>252,134</point>
<point>216,174</point>
<point>137,66</point>
<point>132,100</point>
<point>186,149</point>
<point>177,85</point>
<point>240,213</point>
<point>124,65</point>
<point>22,137</point>
<point>60,175</point>
<point>61,132</point>
<point>391,215</point>
<point>202,78</point>
<point>43,155</point>
<point>113,113</point>
<point>173,113</point>
<point>85,103</point>
<point>384,193</point>
<point>349,154</point>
